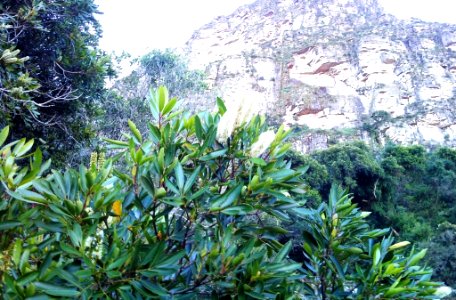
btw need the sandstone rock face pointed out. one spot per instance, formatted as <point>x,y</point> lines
<point>335,70</point>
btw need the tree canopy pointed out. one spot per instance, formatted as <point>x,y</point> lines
<point>52,75</point>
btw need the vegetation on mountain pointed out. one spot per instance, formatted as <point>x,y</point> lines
<point>406,188</point>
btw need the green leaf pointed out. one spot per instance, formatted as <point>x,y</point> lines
<point>417,257</point>
<point>8,165</point>
<point>46,263</point>
<point>35,168</point>
<point>339,269</point>
<point>70,277</point>
<point>147,183</point>
<point>154,254</point>
<point>27,196</point>
<point>9,224</point>
<point>76,235</point>
<point>155,133</point>
<point>25,148</point>
<point>56,290</point>
<point>82,178</point>
<point>283,252</point>
<point>169,106</point>
<point>227,199</point>
<point>17,251</point>
<point>23,262</point>
<point>155,288</point>
<point>118,262</point>
<point>135,131</point>
<point>242,209</point>
<point>162,97</point>
<point>191,180</point>
<point>198,128</point>
<point>213,155</point>
<point>60,182</point>
<point>27,278</point>
<point>258,161</point>
<point>198,194</point>
<point>275,229</point>
<point>70,250</point>
<point>18,146</point>
<point>254,295</point>
<point>307,248</point>
<point>376,257</point>
<point>161,159</point>
<point>180,178</point>
<point>153,104</point>
<point>283,268</point>
<point>4,135</point>
<point>116,144</point>
<point>282,175</point>
<point>165,267</point>
<point>221,106</point>
<point>395,291</point>
<point>125,294</point>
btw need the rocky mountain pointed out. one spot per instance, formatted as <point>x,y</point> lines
<point>335,70</point>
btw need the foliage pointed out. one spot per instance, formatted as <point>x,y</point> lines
<point>346,260</point>
<point>417,189</point>
<point>186,215</point>
<point>52,74</point>
<point>353,166</point>
<point>373,124</point>
<point>170,69</point>
<point>441,253</point>
<point>159,67</point>
<point>407,187</point>
<point>316,177</point>
<point>413,191</point>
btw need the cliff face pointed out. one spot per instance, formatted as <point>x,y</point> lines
<point>335,70</point>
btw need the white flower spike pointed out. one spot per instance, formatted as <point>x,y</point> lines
<point>239,113</point>
<point>264,141</point>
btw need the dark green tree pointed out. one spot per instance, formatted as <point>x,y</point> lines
<point>417,189</point>
<point>170,69</point>
<point>353,166</point>
<point>52,75</point>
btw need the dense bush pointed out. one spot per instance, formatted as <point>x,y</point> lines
<point>353,166</point>
<point>345,261</point>
<point>442,248</point>
<point>195,209</point>
<point>52,73</point>
<point>408,188</point>
<point>417,189</point>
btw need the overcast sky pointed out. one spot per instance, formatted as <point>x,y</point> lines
<point>138,26</point>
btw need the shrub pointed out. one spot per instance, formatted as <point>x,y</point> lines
<point>352,165</point>
<point>194,210</point>
<point>186,216</point>
<point>441,253</point>
<point>347,260</point>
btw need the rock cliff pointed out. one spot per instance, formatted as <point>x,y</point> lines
<point>335,70</point>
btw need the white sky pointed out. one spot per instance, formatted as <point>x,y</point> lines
<point>138,26</point>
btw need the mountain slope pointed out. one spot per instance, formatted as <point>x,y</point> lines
<point>335,69</point>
